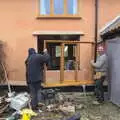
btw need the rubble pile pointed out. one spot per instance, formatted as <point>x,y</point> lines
<point>68,106</point>
<point>62,107</point>
<point>3,104</point>
<point>54,106</point>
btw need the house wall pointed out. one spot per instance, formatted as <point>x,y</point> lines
<point>18,22</point>
<point>108,10</point>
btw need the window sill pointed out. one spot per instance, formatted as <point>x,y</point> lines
<point>58,16</point>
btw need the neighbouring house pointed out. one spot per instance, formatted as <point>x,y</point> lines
<point>65,27</point>
<point>110,34</point>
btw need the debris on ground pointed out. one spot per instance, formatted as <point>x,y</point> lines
<point>51,108</point>
<point>20,101</point>
<point>13,101</point>
<point>65,107</point>
<point>3,104</point>
<point>96,103</point>
<point>80,106</point>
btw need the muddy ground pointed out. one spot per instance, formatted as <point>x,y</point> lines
<point>88,110</point>
<point>84,104</point>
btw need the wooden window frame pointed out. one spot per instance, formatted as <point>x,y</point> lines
<point>52,15</point>
<point>78,43</point>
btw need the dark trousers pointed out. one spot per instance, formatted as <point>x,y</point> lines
<point>35,92</point>
<point>99,90</point>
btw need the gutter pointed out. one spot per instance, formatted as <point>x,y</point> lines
<point>96,29</point>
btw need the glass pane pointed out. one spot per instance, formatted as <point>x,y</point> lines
<point>54,50</point>
<point>72,6</point>
<point>73,51</point>
<point>69,58</point>
<point>44,7</point>
<point>66,51</point>
<point>58,6</point>
<point>58,51</point>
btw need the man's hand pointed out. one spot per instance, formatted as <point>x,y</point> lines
<point>92,61</point>
<point>45,50</point>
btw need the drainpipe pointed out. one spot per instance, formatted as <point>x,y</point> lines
<point>96,28</point>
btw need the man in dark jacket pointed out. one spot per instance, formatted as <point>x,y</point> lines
<point>30,52</point>
<point>34,75</point>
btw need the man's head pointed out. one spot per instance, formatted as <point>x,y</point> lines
<point>31,51</point>
<point>100,50</point>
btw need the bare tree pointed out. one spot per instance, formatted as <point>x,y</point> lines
<point>2,62</point>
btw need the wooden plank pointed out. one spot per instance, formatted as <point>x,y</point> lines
<point>92,57</point>
<point>62,64</point>
<point>76,63</point>
<point>65,83</point>
<point>79,56</point>
<point>69,83</point>
<point>45,68</point>
<point>69,42</point>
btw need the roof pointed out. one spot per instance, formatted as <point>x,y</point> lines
<point>57,33</point>
<point>111,26</point>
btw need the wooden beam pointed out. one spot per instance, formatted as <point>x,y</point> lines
<point>62,64</point>
<point>92,57</point>
<point>65,83</point>
<point>79,56</point>
<point>45,68</point>
<point>69,42</point>
<point>69,83</point>
<point>76,63</point>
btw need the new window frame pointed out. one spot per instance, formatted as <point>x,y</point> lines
<point>65,15</point>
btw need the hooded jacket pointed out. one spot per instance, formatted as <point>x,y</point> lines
<point>35,65</point>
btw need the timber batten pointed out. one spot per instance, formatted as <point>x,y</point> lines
<point>68,83</point>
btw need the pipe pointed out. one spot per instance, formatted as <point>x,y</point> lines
<point>96,28</point>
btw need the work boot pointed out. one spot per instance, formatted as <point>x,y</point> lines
<point>100,100</point>
<point>34,108</point>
